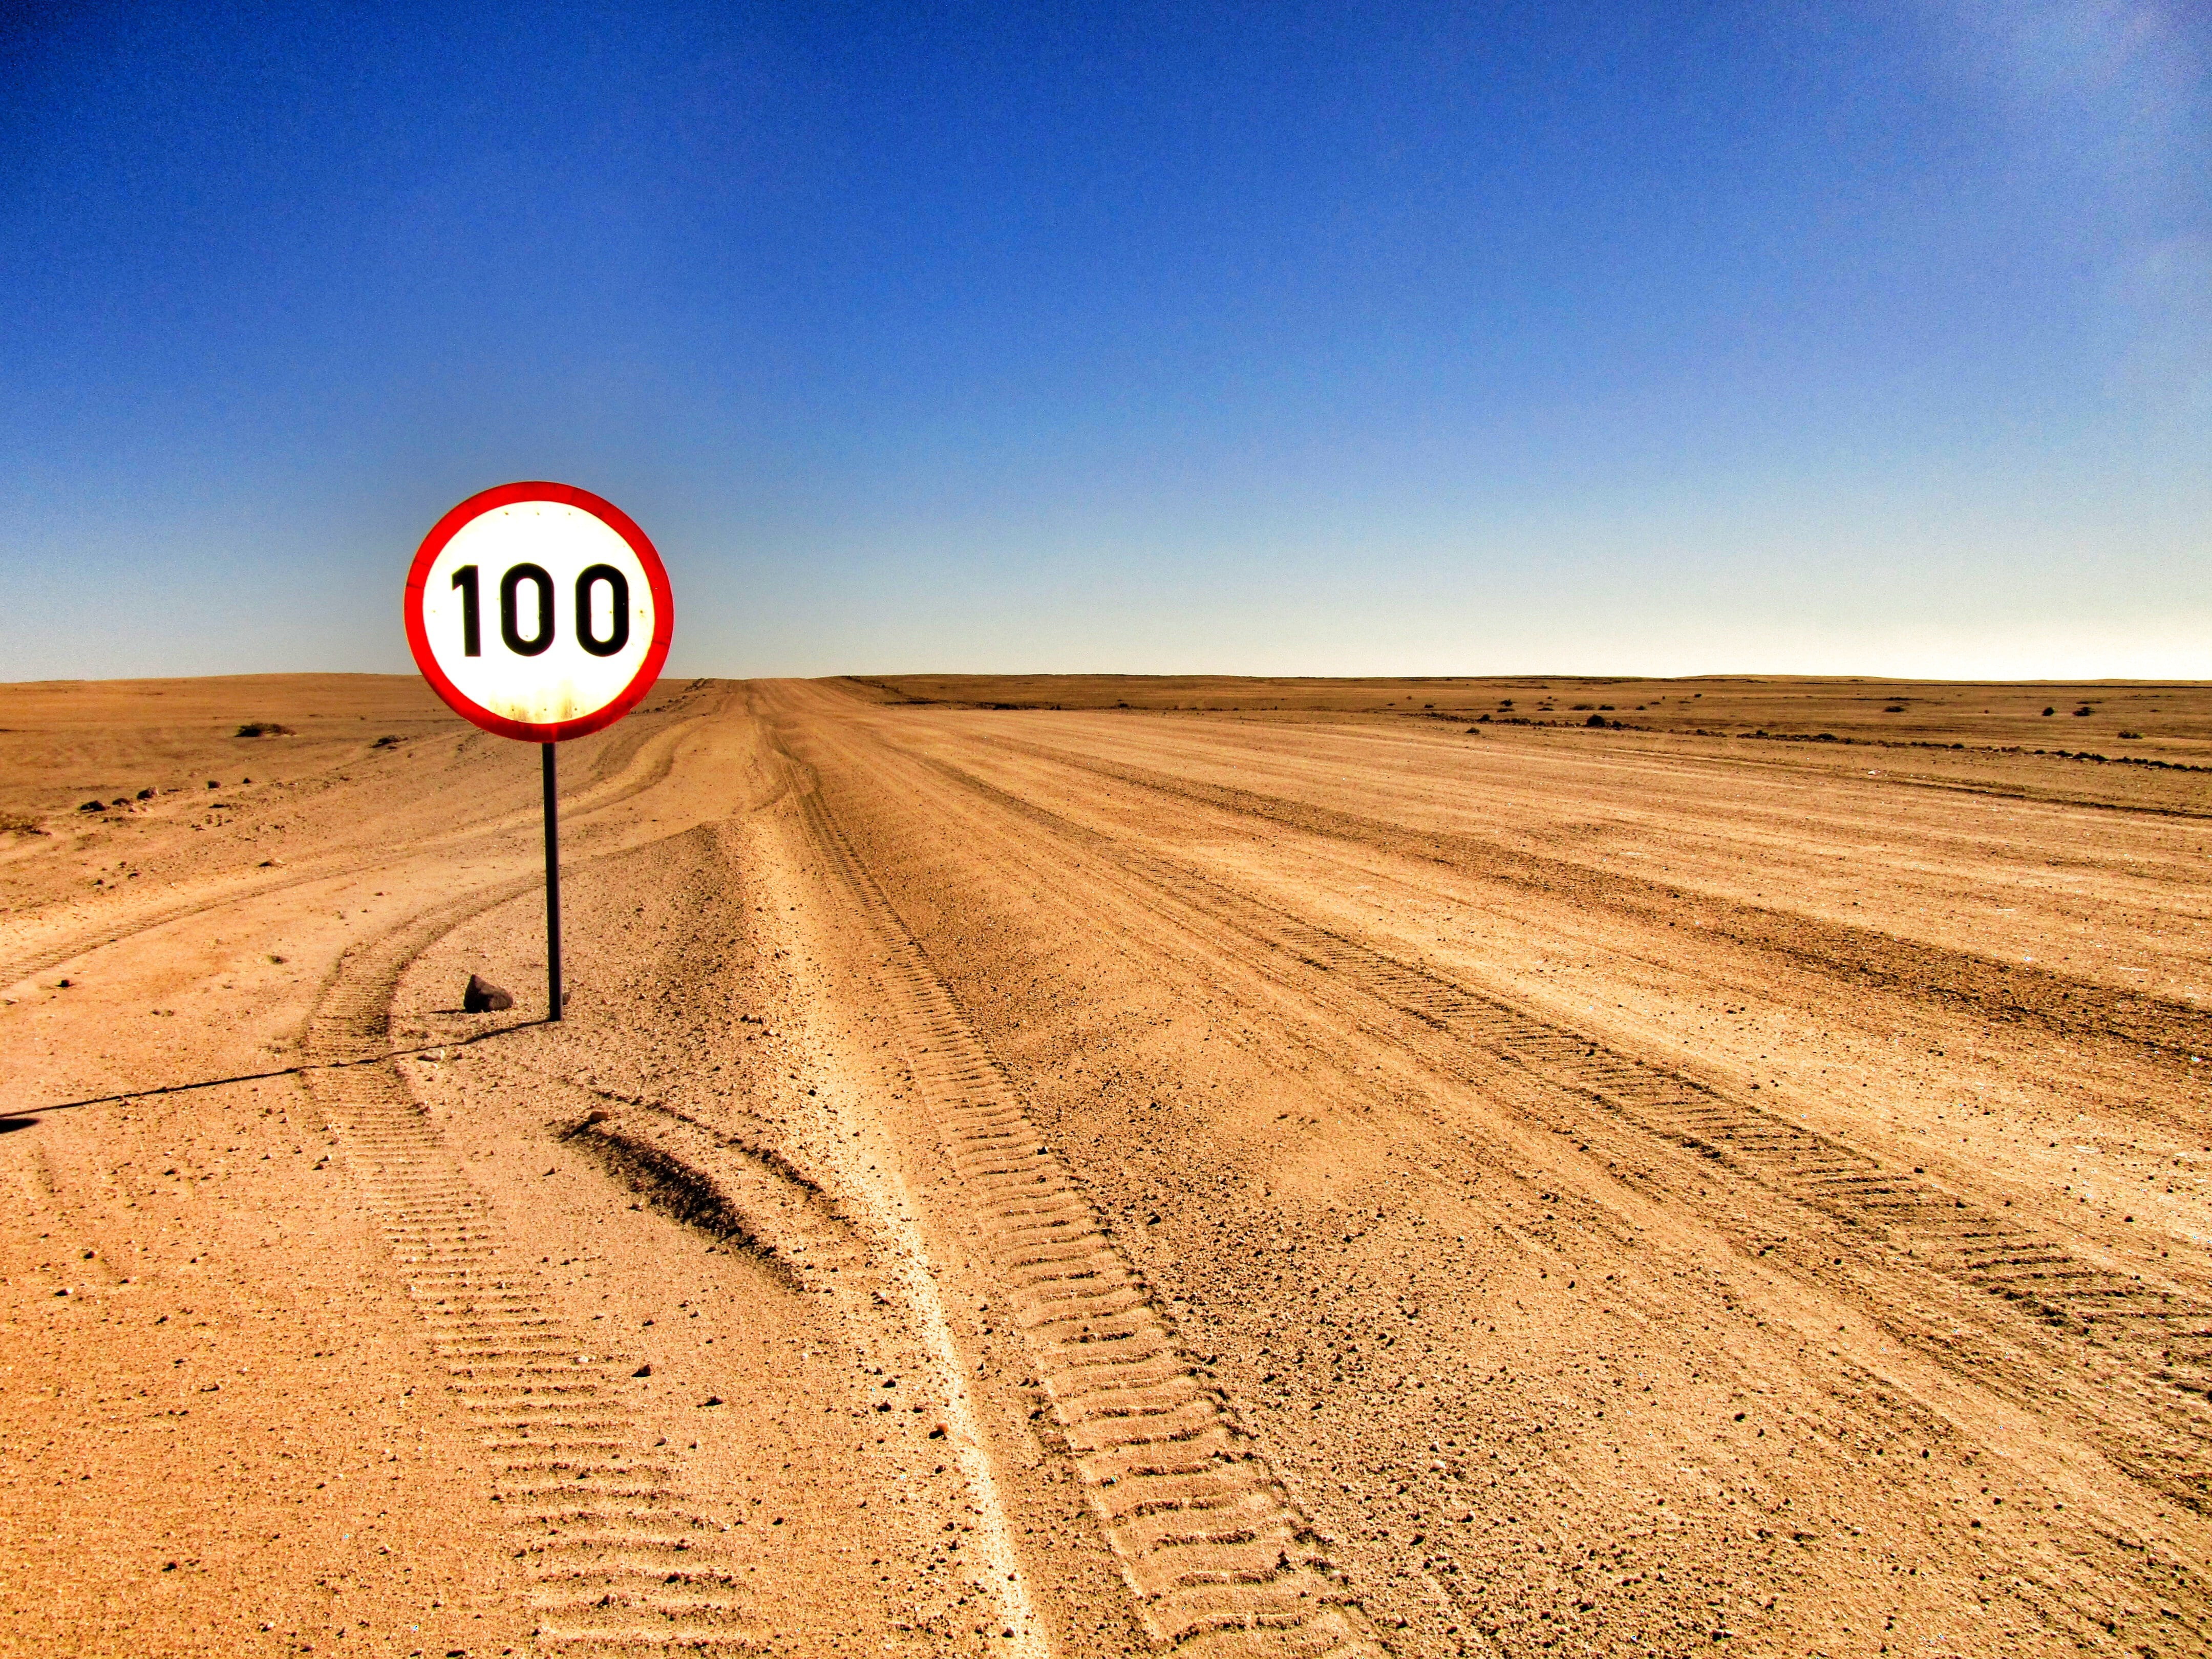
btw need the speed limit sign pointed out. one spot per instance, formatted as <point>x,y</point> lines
<point>541,612</point>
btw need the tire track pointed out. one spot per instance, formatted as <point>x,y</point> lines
<point>2017,1274</point>
<point>648,767</point>
<point>1988,989</point>
<point>1218,1557</point>
<point>617,1563</point>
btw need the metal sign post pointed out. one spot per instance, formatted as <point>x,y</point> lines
<point>540,612</point>
<point>552,888</point>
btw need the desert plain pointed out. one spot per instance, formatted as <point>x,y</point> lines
<point>1061,1165</point>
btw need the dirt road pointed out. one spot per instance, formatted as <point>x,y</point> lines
<point>1254,1169</point>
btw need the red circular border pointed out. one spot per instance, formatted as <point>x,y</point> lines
<point>664,611</point>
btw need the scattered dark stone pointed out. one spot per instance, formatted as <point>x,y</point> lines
<point>212,784</point>
<point>263,729</point>
<point>92,806</point>
<point>483,997</point>
<point>716,1400</point>
<point>1594,719</point>
<point>145,794</point>
<point>384,743</point>
<point>642,1371</point>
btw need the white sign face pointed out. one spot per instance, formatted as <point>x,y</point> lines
<point>538,617</point>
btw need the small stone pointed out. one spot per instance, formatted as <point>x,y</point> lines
<point>642,1371</point>
<point>483,997</point>
<point>92,806</point>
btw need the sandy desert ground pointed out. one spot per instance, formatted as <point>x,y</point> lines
<point>1086,1166</point>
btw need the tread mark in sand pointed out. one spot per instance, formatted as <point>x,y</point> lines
<point>617,1565</point>
<point>1217,1556</point>
<point>2004,992</point>
<point>645,769</point>
<point>2162,1335</point>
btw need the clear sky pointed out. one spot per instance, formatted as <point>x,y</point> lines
<point>1330,338</point>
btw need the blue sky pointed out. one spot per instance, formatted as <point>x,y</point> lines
<point>1267,338</point>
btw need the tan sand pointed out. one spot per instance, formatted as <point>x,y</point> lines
<point>1078,1165</point>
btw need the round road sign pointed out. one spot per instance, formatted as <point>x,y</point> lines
<point>540,612</point>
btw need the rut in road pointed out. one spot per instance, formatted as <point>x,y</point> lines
<point>617,1565</point>
<point>1993,990</point>
<point>2163,1335</point>
<point>1219,1560</point>
<point>643,768</point>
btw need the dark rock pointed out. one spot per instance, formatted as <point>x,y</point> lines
<point>1594,719</point>
<point>483,997</point>
<point>92,806</point>
<point>145,794</point>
